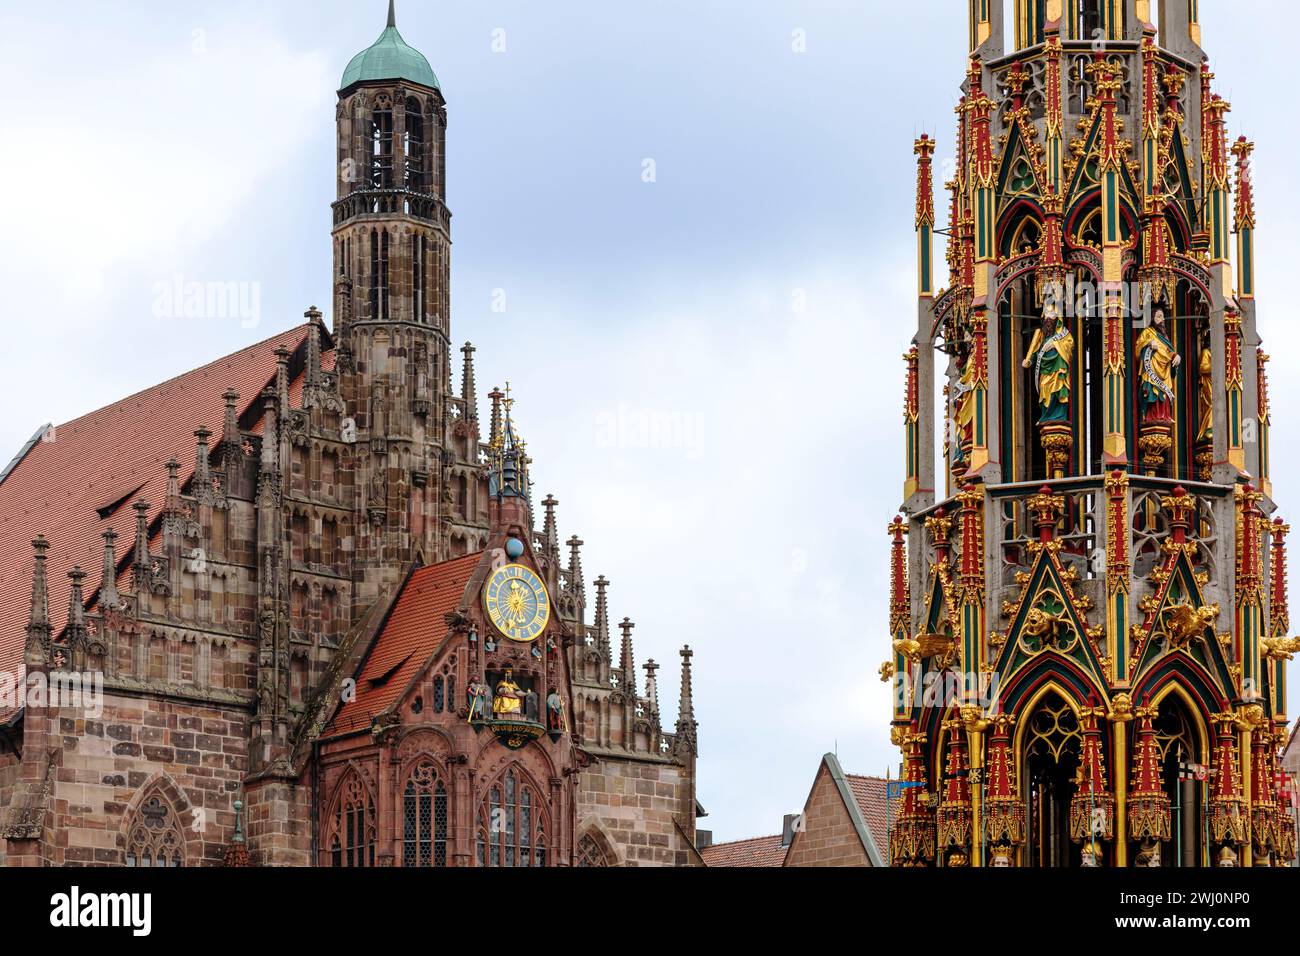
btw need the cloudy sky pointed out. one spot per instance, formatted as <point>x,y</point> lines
<point>751,302</point>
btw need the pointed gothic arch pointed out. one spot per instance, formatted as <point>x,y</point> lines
<point>425,812</point>
<point>158,826</point>
<point>595,849</point>
<point>350,823</point>
<point>512,827</point>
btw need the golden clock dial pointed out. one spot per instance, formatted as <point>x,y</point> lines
<point>517,603</point>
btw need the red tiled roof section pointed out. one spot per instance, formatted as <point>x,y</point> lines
<point>413,631</point>
<point>118,451</point>
<point>869,792</point>
<point>756,851</point>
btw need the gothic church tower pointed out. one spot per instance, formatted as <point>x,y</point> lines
<point>417,472</point>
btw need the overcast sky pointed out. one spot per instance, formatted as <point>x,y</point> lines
<point>753,300</point>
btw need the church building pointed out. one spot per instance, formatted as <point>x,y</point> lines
<point>301,606</point>
<point>1088,614</point>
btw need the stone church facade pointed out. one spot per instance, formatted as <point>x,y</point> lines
<point>276,568</point>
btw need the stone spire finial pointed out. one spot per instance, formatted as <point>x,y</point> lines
<point>282,376</point>
<point>550,534</point>
<point>468,390</point>
<point>108,576</point>
<point>576,584</point>
<point>686,726</point>
<point>202,472</point>
<point>38,614</point>
<point>76,629</point>
<point>140,563</point>
<point>625,661</point>
<point>313,317</point>
<point>230,427</point>
<point>270,431</point>
<point>173,502</point>
<point>652,685</point>
<point>602,616</point>
<point>494,433</point>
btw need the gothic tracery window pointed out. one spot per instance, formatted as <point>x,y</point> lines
<point>154,835</point>
<point>590,853</point>
<point>351,840</point>
<point>424,818</point>
<point>511,825</point>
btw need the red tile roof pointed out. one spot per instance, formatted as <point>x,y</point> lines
<point>118,451</point>
<point>869,793</point>
<point>756,851</point>
<point>414,630</point>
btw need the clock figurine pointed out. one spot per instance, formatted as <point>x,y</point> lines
<point>516,603</point>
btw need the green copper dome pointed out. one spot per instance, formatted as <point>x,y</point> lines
<point>389,58</point>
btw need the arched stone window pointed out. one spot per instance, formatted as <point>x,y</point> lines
<point>424,817</point>
<point>414,145</point>
<point>351,836</point>
<point>153,837</point>
<point>592,853</point>
<point>381,145</point>
<point>511,824</point>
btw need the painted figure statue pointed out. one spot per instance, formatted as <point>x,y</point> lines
<point>1205,394</point>
<point>480,701</point>
<point>509,698</point>
<point>964,407</point>
<point>554,711</point>
<point>1157,365</point>
<point>1050,353</point>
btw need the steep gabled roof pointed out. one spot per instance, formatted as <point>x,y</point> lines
<point>756,851</point>
<point>869,794</point>
<point>66,486</point>
<point>415,628</point>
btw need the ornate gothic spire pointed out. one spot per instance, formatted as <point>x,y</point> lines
<point>953,819</point>
<point>38,614</point>
<point>550,534</point>
<point>140,562</point>
<point>576,585</point>
<point>686,726</point>
<point>1148,804</point>
<point>202,471</point>
<point>75,633</point>
<point>1004,814</point>
<point>625,661</point>
<point>1092,809</point>
<point>602,617</point>
<point>108,596</point>
<point>468,390</point>
<point>652,687</point>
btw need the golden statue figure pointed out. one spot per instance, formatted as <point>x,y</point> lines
<point>1051,352</point>
<point>1157,363</point>
<point>509,699</point>
<point>1205,397</point>
<point>964,407</point>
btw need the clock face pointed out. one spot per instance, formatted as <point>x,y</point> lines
<point>517,603</point>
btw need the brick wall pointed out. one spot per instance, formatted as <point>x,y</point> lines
<point>633,804</point>
<point>195,757</point>
<point>827,837</point>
